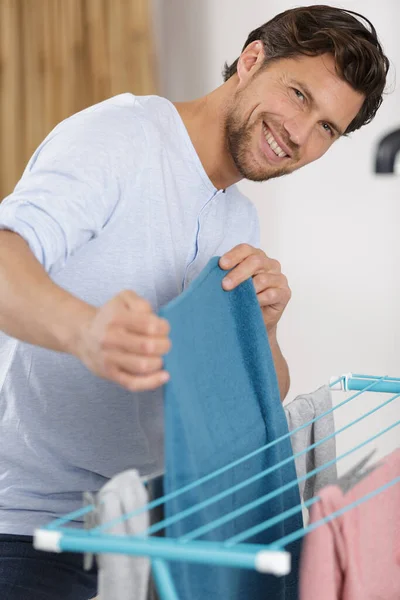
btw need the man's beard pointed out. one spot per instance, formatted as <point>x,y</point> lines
<point>239,138</point>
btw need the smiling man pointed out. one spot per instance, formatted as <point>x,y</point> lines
<point>303,80</point>
<point>118,210</point>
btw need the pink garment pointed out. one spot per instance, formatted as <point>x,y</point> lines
<point>356,556</point>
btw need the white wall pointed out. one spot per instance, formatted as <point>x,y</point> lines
<point>333,225</point>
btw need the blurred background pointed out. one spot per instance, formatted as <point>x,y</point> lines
<point>333,225</point>
<point>60,56</point>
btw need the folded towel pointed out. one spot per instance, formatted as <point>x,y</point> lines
<point>221,403</point>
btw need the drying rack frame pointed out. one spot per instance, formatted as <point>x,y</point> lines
<point>272,559</point>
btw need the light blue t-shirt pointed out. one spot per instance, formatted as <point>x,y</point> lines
<point>114,198</point>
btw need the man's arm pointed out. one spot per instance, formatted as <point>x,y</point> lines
<point>122,341</point>
<point>281,367</point>
<point>32,308</point>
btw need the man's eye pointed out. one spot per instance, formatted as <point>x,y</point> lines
<point>299,94</point>
<point>328,128</point>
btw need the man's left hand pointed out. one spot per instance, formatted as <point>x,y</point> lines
<point>273,292</point>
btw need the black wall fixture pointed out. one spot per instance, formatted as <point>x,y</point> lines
<point>388,148</point>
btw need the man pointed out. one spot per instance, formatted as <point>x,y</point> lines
<point>117,211</point>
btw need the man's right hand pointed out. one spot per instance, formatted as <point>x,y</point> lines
<point>124,341</point>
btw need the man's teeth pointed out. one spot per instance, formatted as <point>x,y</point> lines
<point>272,143</point>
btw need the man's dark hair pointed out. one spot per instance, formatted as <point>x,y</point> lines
<point>316,30</point>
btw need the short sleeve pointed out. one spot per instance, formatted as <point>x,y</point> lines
<point>74,182</point>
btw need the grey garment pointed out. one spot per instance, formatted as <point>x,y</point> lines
<point>299,412</point>
<point>356,473</point>
<point>91,520</point>
<point>123,577</point>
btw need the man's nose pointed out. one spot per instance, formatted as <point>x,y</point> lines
<point>299,129</point>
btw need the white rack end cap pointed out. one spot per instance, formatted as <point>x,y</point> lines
<point>47,540</point>
<point>273,561</point>
<point>338,385</point>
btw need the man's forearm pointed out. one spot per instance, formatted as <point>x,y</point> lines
<point>281,368</point>
<point>32,308</point>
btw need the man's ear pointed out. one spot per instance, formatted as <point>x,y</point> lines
<point>251,59</point>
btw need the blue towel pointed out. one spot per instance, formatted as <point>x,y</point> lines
<point>222,402</point>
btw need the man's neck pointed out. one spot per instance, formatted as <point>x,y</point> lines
<point>204,120</point>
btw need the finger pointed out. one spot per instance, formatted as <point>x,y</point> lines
<point>236,255</point>
<point>274,297</point>
<point>142,323</point>
<point>133,364</point>
<point>265,280</point>
<point>247,268</point>
<point>139,383</point>
<point>121,340</point>
<point>273,265</point>
<point>135,302</point>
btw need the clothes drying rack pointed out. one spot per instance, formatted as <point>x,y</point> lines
<point>234,552</point>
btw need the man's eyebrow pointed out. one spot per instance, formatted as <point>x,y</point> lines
<point>303,86</point>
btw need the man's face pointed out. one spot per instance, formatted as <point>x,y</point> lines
<point>288,115</point>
